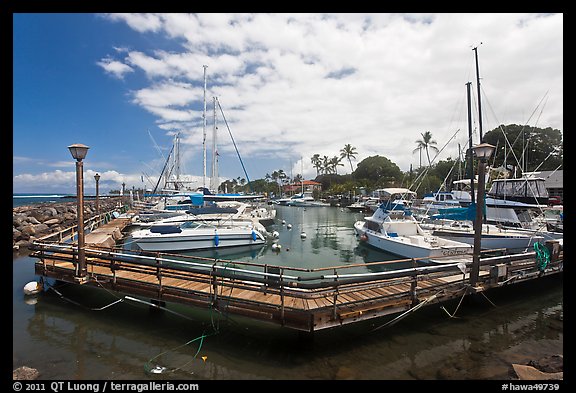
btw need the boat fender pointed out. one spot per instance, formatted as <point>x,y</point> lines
<point>254,236</point>
<point>216,239</point>
<point>32,288</point>
<point>364,237</point>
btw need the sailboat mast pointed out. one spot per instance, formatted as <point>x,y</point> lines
<point>214,179</point>
<point>177,161</point>
<point>204,129</point>
<point>470,154</point>
<point>302,170</point>
<point>478,88</point>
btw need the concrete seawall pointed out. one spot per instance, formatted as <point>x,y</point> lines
<point>35,221</point>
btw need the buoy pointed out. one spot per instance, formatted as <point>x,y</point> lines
<point>32,288</point>
<point>303,235</point>
<point>283,222</point>
<point>275,234</point>
<point>158,370</point>
<point>289,226</point>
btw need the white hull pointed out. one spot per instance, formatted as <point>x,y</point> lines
<point>195,239</point>
<point>492,237</point>
<point>426,247</point>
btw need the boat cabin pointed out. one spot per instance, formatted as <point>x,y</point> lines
<point>525,190</point>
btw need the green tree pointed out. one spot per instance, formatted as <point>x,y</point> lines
<point>427,144</point>
<point>378,169</point>
<point>348,152</point>
<point>525,148</point>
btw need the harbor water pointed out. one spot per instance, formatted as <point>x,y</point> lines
<point>86,333</point>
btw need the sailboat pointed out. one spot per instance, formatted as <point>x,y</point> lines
<point>458,223</point>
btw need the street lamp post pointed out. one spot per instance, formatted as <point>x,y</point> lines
<point>97,178</point>
<point>79,152</point>
<point>483,152</point>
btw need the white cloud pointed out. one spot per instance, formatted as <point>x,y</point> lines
<point>294,85</point>
<point>114,67</point>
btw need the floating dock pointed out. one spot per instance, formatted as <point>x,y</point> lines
<point>303,299</point>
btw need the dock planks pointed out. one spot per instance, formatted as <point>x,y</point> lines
<point>291,303</point>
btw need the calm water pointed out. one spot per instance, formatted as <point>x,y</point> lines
<point>64,340</point>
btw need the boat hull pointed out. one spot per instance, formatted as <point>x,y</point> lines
<point>489,241</point>
<point>426,249</point>
<point>149,241</point>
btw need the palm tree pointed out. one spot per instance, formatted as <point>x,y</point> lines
<point>335,163</point>
<point>427,144</point>
<point>316,163</point>
<point>348,152</point>
<point>325,165</point>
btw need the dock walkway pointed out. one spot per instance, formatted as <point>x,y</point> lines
<point>301,299</point>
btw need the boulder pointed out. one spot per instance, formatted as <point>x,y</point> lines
<point>25,373</point>
<point>32,220</point>
<point>53,221</point>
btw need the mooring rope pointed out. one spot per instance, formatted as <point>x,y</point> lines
<point>542,256</point>
<point>409,311</point>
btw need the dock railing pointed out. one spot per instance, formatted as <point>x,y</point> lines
<point>70,234</point>
<point>329,296</point>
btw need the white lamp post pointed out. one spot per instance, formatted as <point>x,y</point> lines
<point>483,152</point>
<point>79,152</point>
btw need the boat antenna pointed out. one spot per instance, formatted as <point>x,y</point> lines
<point>475,49</point>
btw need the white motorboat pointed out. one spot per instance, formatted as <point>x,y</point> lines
<point>392,228</point>
<point>493,236</point>
<point>197,235</point>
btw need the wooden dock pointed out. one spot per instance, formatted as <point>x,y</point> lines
<point>302,299</point>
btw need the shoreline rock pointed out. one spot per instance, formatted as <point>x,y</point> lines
<point>25,373</point>
<point>32,222</point>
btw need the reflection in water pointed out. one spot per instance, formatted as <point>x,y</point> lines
<point>118,342</point>
<point>65,341</point>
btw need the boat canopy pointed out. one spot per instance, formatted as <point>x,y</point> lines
<point>387,193</point>
<point>519,188</point>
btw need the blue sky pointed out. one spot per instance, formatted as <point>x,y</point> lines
<point>290,86</point>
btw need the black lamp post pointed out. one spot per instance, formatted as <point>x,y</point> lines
<point>79,152</point>
<point>483,152</point>
<point>97,178</point>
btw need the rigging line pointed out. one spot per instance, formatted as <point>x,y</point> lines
<point>162,172</point>
<point>436,156</point>
<point>235,147</point>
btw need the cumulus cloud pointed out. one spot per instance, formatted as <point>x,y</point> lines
<point>293,85</point>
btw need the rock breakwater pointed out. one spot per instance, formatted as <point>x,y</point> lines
<point>35,221</point>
